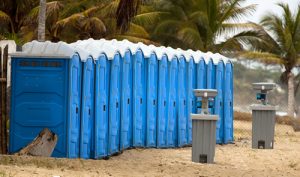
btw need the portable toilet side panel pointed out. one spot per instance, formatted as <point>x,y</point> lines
<point>152,74</point>
<point>102,73</point>
<point>114,105</point>
<point>191,99</point>
<point>87,113</point>
<point>201,78</point>
<point>126,102</point>
<point>74,107</point>
<point>219,102</point>
<point>162,105</point>
<point>139,102</point>
<point>182,103</point>
<point>39,94</point>
<point>172,105</point>
<point>228,104</point>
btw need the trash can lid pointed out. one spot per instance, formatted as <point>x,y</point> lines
<point>260,107</point>
<point>204,117</point>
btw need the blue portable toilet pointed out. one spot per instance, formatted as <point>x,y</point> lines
<point>228,103</point>
<point>191,100</point>
<point>114,105</point>
<point>87,149</point>
<point>172,105</point>
<point>152,86</point>
<point>126,101</point>
<point>45,93</point>
<point>211,77</point>
<point>182,103</point>
<point>219,103</point>
<point>139,100</point>
<point>202,77</point>
<point>102,77</point>
<point>162,98</point>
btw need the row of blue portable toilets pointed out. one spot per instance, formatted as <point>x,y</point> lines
<point>101,97</point>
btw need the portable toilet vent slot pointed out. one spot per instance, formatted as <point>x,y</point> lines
<point>204,127</point>
<point>263,115</point>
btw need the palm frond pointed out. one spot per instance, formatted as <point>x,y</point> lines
<point>264,57</point>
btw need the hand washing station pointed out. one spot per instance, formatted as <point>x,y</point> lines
<point>263,118</point>
<point>204,127</point>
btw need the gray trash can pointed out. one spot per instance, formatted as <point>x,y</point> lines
<point>204,128</point>
<point>204,137</point>
<point>263,118</point>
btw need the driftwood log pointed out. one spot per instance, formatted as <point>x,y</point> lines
<point>42,145</point>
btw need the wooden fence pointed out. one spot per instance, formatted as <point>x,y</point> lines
<point>4,113</point>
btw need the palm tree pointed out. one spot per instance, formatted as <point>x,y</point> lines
<point>278,42</point>
<point>42,21</point>
<point>199,24</point>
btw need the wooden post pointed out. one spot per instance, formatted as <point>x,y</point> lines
<point>4,96</point>
<point>1,116</point>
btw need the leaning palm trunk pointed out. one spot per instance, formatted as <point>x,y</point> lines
<point>291,97</point>
<point>42,21</point>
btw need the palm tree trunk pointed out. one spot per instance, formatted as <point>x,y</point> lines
<point>291,96</point>
<point>42,21</point>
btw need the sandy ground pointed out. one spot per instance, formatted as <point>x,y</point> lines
<point>231,160</point>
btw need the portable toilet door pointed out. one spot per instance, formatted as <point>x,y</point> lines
<point>219,102</point>
<point>202,78</point>
<point>182,103</point>
<point>152,84</point>
<point>102,73</point>
<point>211,78</point>
<point>162,104</point>
<point>191,100</point>
<point>228,103</point>
<point>126,102</point>
<point>172,105</point>
<point>87,113</point>
<point>114,105</point>
<point>35,81</point>
<point>74,107</point>
<point>139,102</point>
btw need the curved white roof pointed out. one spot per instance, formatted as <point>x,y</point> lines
<point>95,48</point>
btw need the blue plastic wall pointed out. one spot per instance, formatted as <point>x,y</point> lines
<point>41,96</point>
<point>162,109</point>
<point>114,105</point>
<point>102,78</point>
<point>87,149</point>
<point>191,99</point>
<point>228,104</point>
<point>139,100</point>
<point>152,85</point>
<point>219,102</point>
<point>126,99</point>
<point>182,103</point>
<point>172,103</point>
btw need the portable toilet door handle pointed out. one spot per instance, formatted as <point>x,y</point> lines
<point>141,100</point>
<point>76,110</point>
<point>104,107</point>
<point>128,101</point>
<point>117,104</point>
<point>174,103</point>
<point>184,102</point>
<point>154,102</point>
<point>89,111</point>
<point>164,103</point>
